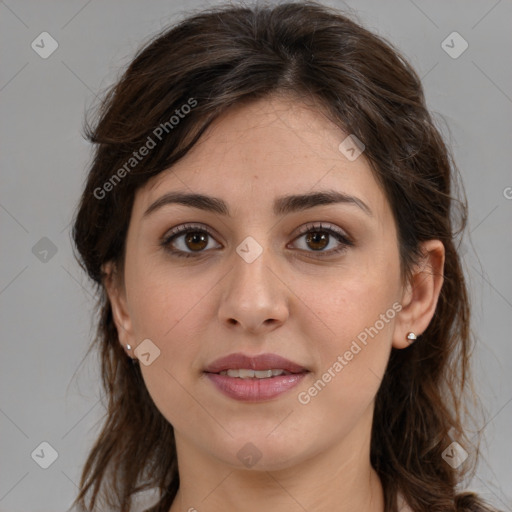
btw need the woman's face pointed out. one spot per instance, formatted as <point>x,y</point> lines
<point>265,274</point>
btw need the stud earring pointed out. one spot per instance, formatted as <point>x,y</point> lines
<point>129,347</point>
<point>411,337</point>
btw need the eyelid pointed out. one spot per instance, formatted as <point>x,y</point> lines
<point>204,227</point>
<point>310,226</point>
<point>188,226</point>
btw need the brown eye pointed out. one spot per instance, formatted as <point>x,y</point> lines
<point>317,238</point>
<point>190,241</point>
<point>196,240</point>
<point>186,240</point>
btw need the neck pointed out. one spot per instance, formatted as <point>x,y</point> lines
<point>339,478</point>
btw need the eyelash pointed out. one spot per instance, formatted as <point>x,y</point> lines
<point>188,228</point>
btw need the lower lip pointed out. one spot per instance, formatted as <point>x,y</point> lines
<point>255,390</point>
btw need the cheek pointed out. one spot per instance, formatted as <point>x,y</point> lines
<point>169,312</point>
<point>351,304</point>
<point>352,354</point>
<point>358,327</point>
<point>164,306</point>
<point>352,328</point>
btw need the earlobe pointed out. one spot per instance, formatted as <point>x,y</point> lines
<point>421,295</point>
<point>117,298</point>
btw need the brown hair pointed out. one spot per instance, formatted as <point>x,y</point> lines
<point>226,55</point>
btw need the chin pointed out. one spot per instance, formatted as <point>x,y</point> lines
<point>261,453</point>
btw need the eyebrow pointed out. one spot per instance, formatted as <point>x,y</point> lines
<point>282,205</point>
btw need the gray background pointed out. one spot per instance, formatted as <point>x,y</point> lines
<point>45,306</point>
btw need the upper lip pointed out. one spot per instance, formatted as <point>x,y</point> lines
<point>259,362</point>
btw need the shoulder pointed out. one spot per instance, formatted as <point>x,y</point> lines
<point>464,502</point>
<point>470,502</point>
<point>402,504</point>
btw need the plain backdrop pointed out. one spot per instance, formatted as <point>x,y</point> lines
<point>46,302</point>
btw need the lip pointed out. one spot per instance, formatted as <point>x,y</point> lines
<point>254,390</point>
<point>259,362</point>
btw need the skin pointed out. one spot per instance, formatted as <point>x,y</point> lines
<point>288,301</point>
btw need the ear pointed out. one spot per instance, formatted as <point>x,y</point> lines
<point>420,296</point>
<point>116,293</point>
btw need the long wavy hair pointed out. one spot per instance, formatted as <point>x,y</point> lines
<point>229,54</point>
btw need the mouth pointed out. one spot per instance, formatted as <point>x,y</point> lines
<point>254,379</point>
<point>245,373</point>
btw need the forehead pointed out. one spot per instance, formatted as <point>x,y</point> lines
<point>266,148</point>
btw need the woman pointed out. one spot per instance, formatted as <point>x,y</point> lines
<point>284,322</point>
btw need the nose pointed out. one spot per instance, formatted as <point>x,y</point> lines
<point>255,299</point>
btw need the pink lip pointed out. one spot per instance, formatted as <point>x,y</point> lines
<point>254,390</point>
<point>260,362</point>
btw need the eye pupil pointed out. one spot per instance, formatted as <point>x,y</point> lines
<point>195,237</point>
<point>313,237</point>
